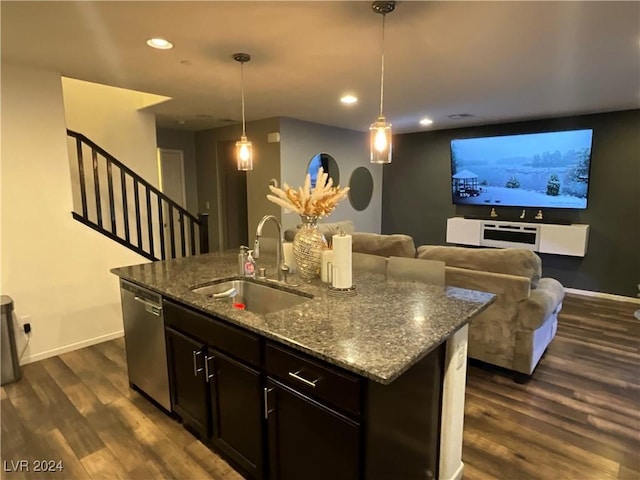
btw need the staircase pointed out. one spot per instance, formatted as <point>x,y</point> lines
<point>117,202</point>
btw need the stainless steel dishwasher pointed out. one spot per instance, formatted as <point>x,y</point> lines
<point>144,342</point>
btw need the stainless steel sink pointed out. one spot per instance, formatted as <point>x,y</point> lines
<point>251,296</point>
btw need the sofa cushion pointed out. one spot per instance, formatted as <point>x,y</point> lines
<point>395,245</point>
<point>510,261</point>
<point>327,229</point>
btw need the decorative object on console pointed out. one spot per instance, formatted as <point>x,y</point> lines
<point>538,215</point>
<point>523,214</point>
<point>493,213</point>
<point>311,203</point>
<point>380,130</point>
<point>244,150</point>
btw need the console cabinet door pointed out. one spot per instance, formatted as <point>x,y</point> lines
<point>189,389</point>
<point>236,406</point>
<point>308,440</point>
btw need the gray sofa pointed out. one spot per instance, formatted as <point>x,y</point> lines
<point>515,331</point>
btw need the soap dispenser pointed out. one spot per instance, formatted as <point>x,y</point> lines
<point>250,265</point>
<point>242,260</point>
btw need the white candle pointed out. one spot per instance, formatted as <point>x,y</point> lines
<point>342,261</point>
<point>327,258</point>
<point>287,253</point>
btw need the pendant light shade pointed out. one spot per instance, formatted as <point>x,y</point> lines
<point>380,141</point>
<point>244,149</point>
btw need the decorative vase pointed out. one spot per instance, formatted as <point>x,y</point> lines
<point>308,245</point>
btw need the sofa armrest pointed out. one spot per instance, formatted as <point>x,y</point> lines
<point>542,302</point>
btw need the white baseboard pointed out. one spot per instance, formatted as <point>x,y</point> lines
<point>457,475</point>
<point>609,296</point>
<point>71,347</point>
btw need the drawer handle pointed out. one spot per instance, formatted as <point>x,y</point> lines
<point>196,369</point>
<point>207,372</point>
<point>310,383</point>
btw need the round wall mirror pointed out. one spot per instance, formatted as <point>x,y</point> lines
<point>328,163</point>
<point>360,188</point>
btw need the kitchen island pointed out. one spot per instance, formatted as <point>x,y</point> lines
<point>369,386</point>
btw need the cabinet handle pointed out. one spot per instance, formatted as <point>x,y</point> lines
<point>149,307</point>
<point>196,370</point>
<point>207,375</point>
<point>266,392</point>
<point>310,383</point>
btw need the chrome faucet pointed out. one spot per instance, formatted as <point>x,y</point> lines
<point>282,268</point>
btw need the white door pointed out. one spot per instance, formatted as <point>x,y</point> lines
<point>172,184</point>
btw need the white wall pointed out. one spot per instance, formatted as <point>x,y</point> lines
<point>300,141</point>
<point>55,269</point>
<point>112,118</point>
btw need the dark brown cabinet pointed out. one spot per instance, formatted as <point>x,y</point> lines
<point>189,389</point>
<point>275,413</point>
<point>236,406</point>
<point>216,390</point>
<point>307,439</point>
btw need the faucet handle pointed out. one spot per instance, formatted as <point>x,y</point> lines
<point>284,268</point>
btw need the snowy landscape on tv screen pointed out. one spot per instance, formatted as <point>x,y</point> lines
<point>544,170</point>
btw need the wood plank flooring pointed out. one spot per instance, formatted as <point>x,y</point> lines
<point>577,419</point>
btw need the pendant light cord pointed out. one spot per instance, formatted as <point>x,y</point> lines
<point>242,95</point>
<point>382,69</point>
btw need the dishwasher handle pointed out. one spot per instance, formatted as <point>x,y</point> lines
<point>149,307</point>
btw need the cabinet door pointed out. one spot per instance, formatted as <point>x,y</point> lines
<point>236,405</point>
<point>308,440</point>
<point>189,390</point>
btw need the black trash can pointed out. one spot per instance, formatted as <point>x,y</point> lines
<point>10,363</point>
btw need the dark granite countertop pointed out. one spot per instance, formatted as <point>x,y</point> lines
<point>378,333</point>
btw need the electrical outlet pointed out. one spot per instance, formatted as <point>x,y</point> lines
<point>25,322</point>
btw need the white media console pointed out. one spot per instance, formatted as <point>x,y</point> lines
<point>539,237</point>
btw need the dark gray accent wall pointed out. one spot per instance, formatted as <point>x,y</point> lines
<point>416,197</point>
<point>266,165</point>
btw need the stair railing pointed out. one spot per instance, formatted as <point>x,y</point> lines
<point>131,211</point>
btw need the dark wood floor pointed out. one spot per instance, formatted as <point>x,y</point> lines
<point>578,418</point>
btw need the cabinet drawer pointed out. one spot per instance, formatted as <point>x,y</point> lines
<point>316,379</point>
<point>227,338</point>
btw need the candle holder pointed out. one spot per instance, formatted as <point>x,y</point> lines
<point>342,292</point>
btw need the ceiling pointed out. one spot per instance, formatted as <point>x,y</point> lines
<point>496,61</point>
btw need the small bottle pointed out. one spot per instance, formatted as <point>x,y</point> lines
<point>250,265</point>
<point>242,259</point>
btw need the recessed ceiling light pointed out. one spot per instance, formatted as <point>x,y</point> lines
<point>426,121</point>
<point>160,43</point>
<point>349,99</point>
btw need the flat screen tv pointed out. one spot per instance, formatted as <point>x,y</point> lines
<point>542,170</point>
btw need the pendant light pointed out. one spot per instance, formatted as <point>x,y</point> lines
<point>244,151</point>
<point>380,130</point>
